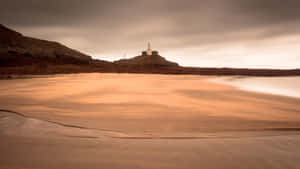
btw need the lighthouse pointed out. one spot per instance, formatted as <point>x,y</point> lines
<point>149,50</point>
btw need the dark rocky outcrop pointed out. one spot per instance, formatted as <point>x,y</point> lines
<point>147,60</point>
<point>19,50</point>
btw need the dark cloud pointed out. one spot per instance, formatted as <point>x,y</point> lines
<point>65,12</point>
<point>271,10</point>
<point>189,16</point>
<point>56,12</point>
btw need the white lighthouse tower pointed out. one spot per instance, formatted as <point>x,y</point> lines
<point>149,50</point>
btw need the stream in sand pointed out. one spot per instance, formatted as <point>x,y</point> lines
<point>145,121</point>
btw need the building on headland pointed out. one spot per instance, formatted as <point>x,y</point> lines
<point>148,58</point>
<point>150,52</point>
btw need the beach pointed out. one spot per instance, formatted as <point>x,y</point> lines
<point>145,121</point>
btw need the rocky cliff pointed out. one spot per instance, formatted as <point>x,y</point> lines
<point>16,49</point>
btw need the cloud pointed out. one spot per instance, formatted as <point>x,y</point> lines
<point>114,26</point>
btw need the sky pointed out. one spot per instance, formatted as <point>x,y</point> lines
<point>203,33</point>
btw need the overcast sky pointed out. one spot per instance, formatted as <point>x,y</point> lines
<point>207,33</point>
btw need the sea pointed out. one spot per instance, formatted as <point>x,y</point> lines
<point>285,86</point>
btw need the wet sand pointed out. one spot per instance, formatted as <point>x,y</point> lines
<point>144,121</point>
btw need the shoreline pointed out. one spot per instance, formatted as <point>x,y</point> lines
<point>10,72</point>
<point>280,86</point>
<point>29,76</point>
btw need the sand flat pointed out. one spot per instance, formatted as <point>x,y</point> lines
<point>144,121</point>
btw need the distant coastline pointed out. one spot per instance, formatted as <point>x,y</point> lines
<point>21,55</point>
<point>9,72</point>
